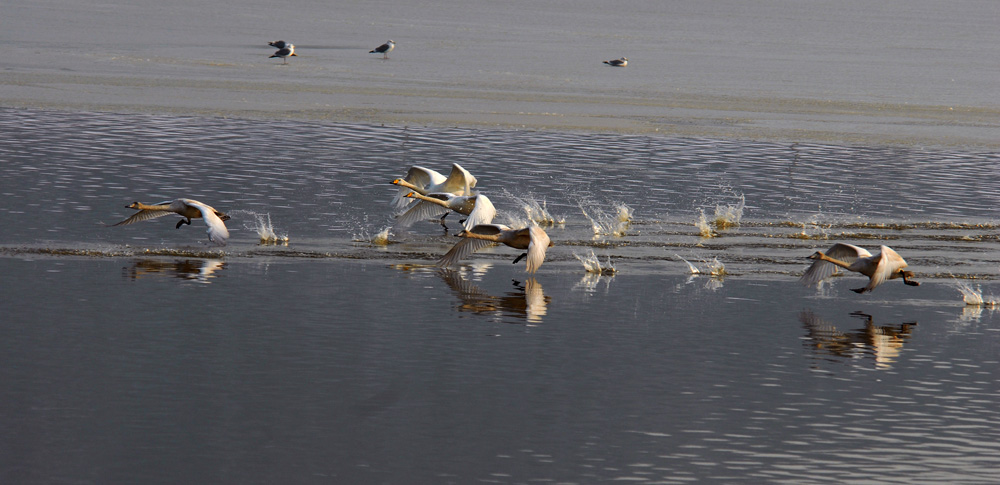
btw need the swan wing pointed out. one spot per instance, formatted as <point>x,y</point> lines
<point>420,211</point>
<point>420,177</point>
<point>847,252</point>
<point>144,215</point>
<point>889,262</point>
<point>459,182</point>
<point>217,231</point>
<point>536,248</point>
<point>462,250</point>
<point>821,270</point>
<point>482,213</point>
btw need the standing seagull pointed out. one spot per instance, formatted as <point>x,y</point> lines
<point>884,266</point>
<point>284,52</point>
<point>623,62</point>
<point>384,49</point>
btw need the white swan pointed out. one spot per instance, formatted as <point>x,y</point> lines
<point>424,181</point>
<point>187,208</point>
<point>531,238</point>
<point>478,207</point>
<point>884,266</point>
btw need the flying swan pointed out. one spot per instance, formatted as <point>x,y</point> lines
<point>884,266</point>
<point>187,208</point>
<point>531,238</point>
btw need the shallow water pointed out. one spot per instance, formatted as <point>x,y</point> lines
<point>143,353</point>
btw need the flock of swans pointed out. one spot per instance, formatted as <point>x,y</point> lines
<point>426,194</point>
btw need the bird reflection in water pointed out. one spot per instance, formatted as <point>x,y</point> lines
<point>527,301</point>
<point>882,342</point>
<point>200,270</point>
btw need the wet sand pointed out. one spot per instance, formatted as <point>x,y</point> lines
<point>912,73</point>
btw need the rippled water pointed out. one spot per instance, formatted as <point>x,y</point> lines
<point>144,353</point>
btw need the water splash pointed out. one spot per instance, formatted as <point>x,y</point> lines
<point>713,268</point>
<point>973,296</point>
<point>261,224</point>
<point>704,229</point>
<point>535,211</point>
<point>593,265</point>
<point>605,224</point>
<point>694,269</point>
<point>380,238</point>
<point>730,215</point>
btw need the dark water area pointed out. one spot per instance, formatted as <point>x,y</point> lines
<point>146,354</point>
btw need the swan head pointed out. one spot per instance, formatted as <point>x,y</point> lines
<point>134,205</point>
<point>396,182</point>
<point>816,255</point>
<point>411,194</point>
<point>223,215</point>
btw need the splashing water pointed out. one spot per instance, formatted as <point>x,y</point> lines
<point>704,229</point>
<point>973,296</point>
<point>727,216</point>
<point>694,269</point>
<point>261,224</point>
<point>714,268</point>
<point>608,225</point>
<point>594,266</point>
<point>535,211</point>
<point>380,238</point>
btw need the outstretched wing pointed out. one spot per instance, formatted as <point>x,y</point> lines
<point>821,270</point>
<point>459,182</point>
<point>462,250</point>
<point>536,248</point>
<point>889,262</point>
<point>482,213</point>
<point>217,231</point>
<point>420,211</point>
<point>143,215</point>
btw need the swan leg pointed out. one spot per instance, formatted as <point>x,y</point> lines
<point>182,222</point>
<point>858,290</point>
<point>908,282</point>
<point>525,255</point>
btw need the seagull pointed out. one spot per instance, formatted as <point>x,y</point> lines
<point>277,44</point>
<point>618,62</point>
<point>384,49</point>
<point>187,208</point>
<point>284,52</point>
<point>884,266</point>
<point>532,238</point>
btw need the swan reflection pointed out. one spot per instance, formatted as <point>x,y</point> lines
<point>881,342</point>
<point>200,270</point>
<point>526,301</point>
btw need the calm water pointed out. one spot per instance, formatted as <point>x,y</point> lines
<point>143,354</point>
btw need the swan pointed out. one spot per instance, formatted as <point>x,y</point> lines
<point>187,208</point>
<point>531,238</point>
<point>424,181</point>
<point>478,207</point>
<point>886,265</point>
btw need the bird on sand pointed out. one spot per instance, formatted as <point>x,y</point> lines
<point>623,62</point>
<point>883,266</point>
<point>532,238</point>
<point>384,49</point>
<point>424,181</point>
<point>478,207</point>
<point>188,209</point>
<point>285,52</point>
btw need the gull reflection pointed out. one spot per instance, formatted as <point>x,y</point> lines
<point>200,270</point>
<point>527,301</point>
<point>882,342</point>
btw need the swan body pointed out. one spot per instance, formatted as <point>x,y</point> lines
<point>478,207</point>
<point>425,181</point>
<point>532,238</point>
<point>879,268</point>
<point>187,208</point>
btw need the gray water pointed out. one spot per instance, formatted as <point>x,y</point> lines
<point>146,354</point>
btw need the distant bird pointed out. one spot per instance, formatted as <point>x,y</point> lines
<point>424,181</point>
<point>618,62</point>
<point>277,44</point>
<point>187,208</point>
<point>531,238</point>
<point>884,266</point>
<point>478,207</point>
<point>284,52</point>
<point>384,49</point>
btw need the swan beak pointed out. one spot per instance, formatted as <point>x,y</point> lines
<point>395,182</point>
<point>410,194</point>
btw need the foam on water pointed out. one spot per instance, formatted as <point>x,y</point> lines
<point>261,224</point>
<point>607,223</point>
<point>592,264</point>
